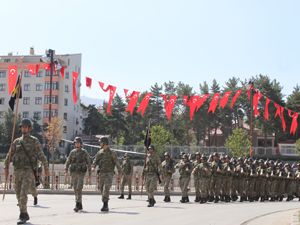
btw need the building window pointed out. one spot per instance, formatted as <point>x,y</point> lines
<point>1,114</point>
<point>2,74</point>
<point>40,74</point>
<point>53,114</point>
<point>26,74</point>
<point>65,116</point>
<point>38,100</point>
<point>54,99</point>
<point>26,87</point>
<point>26,101</point>
<point>66,88</point>
<point>54,73</point>
<point>39,87</point>
<point>66,102</point>
<point>55,86</point>
<point>65,129</point>
<point>2,101</point>
<point>25,114</point>
<point>37,115</point>
<point>2,87</point>
<point>67,75</point>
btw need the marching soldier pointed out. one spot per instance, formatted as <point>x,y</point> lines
<point>151,174</point>
<point>24,153</point>
<point>79,163</point>
<point>127,170</point>
<point>196,177</point>
<point>297,177</point>
<point>167,172</point>
<point>185,169</point>
<point>106,160</point>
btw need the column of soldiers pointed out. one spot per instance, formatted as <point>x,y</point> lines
<point>224,179</point>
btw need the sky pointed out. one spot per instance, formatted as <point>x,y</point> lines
<point>133,44</point>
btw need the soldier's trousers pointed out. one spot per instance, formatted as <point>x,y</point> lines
<point>234,186</point>
<point>167,180</point>
<point>242,186</point>
<point>151,184</point>
<point>77,183</point>
<point>226,186</point>
<point>204,186</point>
<point>262,181</point>
<point>105,183</point>
<point>216,185</point>
<point>23,182</point>
<point>291,187</point>
<point>184,183</point>
<point>197,186</point>
<point>126,179</point>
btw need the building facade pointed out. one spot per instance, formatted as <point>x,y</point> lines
<point>36,91</point>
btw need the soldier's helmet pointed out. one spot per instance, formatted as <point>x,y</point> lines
<point>298,164</point>
<point>103,140</point>
<point>151,147</point>
<point>287,165</point>
<point>204,158</point>
<point>185,156</point>
<point>166,154</point>
<point>78,139</point>
<point>26,122</point>
<point>125,155</point>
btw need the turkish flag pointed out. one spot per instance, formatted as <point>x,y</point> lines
<point>62,71</point>
<point>88,82</point>
<point>75,86</point>
<point>144,104</point>
<point>266,114</point>
<point>280,113</point>
<point>294,125</point>
<point>235,97</point>
<point>257,96</point>
<point>12,78</point>
<point>112,91</point>
<point>133,98</point>
<point>224,99</point>
<point>32,68</point>
<point>169,105</point>
<point>214,103</point>
<point>46,66</point>
<point>192,103</point>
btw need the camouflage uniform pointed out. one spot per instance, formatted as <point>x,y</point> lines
<point>227,170</point>
<point>106,160</point>
<point>24,178</point>
<point>297,178</point>
<point>127,170</point>
<point>167,171</point>
<point>185,169</point>
<point>79,163</point>
<point>150,173</point>
<point>196,177</point>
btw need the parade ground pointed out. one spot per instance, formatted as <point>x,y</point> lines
<point>57,209</point>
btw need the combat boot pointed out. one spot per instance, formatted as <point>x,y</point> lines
<point>23,218</point>
<point>105,207</point>
<point>183,200</point>
<point>197,199</point>
<point>165,199</point>
<point>121,196</point>
<point>35,201</point>
<point>216,199</point>
<point>151,202</point>
<point>187,199</point>
<point>129,197</point>
<point>76,207</point>
<point>79,206</point>
<point>168,199</point>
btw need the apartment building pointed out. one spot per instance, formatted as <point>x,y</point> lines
<point>36,91</point>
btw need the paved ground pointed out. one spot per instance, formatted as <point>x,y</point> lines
<point>58,210</point>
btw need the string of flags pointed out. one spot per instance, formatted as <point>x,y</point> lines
<point>194,102</point>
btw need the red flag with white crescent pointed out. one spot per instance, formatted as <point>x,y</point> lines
<point>112,91</point>
<point>224,99</point>
<point>133,99</point>
<point>144,104</point>
<point>266,114</point>
<point>12,78</point>
<point>294,125</point>
<point>280,113</point>
<point>169,104</point>
<point>235,97</point>
<point>88,82</point>
<point>74,82</point>
<point>214,103</point>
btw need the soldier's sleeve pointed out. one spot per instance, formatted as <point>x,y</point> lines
<point>68,162</point>
<point>158,164</point>
<point>88,162</point>
<point>94,164</point>
<point>10,155</point>
<point>117,162</point>
<point>40,154</point>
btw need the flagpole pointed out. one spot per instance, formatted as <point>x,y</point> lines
<point>13,131</point>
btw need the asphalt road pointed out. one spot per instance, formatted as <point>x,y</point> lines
<point>58,210</point>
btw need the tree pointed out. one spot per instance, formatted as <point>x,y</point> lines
<point>8,127</point>
<point>238,143</point>
<point>293,103</point>
<point>94,123</point>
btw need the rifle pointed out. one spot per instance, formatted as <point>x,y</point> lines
<point>147,143</point>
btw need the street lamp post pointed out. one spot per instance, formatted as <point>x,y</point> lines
<point>251,89</point>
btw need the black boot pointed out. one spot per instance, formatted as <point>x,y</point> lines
<point>129,197</point>
<point>121,196</point>
<point>183,200</point>
<point>187,199</point>
<point>79,206</point>
<point>23,218</point>
<point>76,207</point>
<point>151,202</point>
<point>35,201</point>
<point>105,207</point>
<point>168,199</point>
<point>197,199</point>
<point>165,199</point>
<point>216,199</point>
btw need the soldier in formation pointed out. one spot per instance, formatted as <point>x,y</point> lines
<point>79,163</point>
<point>24,154</point>
<point>127,171</point>
<point>168,169</point>
<point>106,160</point>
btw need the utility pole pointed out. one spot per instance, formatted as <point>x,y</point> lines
<point>251,89</point>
